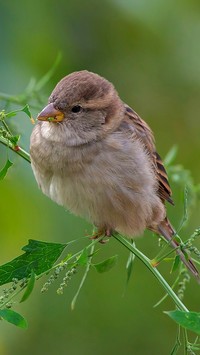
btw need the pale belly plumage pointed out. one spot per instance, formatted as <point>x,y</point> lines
<point>108,184</point>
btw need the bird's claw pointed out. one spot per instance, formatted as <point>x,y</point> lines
<point>103,233</point>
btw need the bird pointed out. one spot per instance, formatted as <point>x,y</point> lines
<point>94,155</point>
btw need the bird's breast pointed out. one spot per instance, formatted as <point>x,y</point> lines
<point>110,182</point>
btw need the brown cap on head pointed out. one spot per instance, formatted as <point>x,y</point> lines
<point>79,87</point>
<point>88,90</point>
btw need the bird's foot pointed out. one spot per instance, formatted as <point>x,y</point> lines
<point>103,233</point>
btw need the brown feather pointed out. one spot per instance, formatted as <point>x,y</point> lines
<point>144,133</point>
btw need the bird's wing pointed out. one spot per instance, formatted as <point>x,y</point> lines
<point>145,135</point>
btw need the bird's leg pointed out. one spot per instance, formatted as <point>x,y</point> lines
<point>102,232</point>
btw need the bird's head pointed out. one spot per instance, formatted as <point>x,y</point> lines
<point>85,106</point>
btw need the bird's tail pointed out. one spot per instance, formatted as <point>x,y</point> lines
<point>166,230</point>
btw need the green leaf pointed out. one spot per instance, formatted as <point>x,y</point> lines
<point>177,239</point>
<point>14,139</point>
<point>188,320</point>
<point>106,265</point>
<point>12,113</point>
<point>80,287</point>
<point>2,115</point>
<point>39,257</point>
<point>29,287</point>
<point>4,171</point>
<point>27,111</point>
<point>171,155</point>
<point>13,317</point>
<point>185,209</point>
<point>129,265</point>
<point>176,263</point>
<point>24,109</point>
<point>83,258</point>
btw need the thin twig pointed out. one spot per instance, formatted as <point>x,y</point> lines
<point>153,270</point>
<point>25,155</point>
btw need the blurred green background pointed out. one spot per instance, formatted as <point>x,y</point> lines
<point>150,50</point>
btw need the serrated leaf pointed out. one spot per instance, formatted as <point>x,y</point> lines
<point>188,320</point>
<point>106,265</point>
<point>13,317</point>
<point>4,171</point>
<point>39,256</point>
<point>29,287</point>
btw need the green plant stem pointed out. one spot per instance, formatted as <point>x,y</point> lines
<point>166,294</point>
<point>185,341</point>
<point>17,150</point>
<point>153,270</point>
<point>6,127</point>
<point>83,278</point>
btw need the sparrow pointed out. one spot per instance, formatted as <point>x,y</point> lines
<point>94,155</point>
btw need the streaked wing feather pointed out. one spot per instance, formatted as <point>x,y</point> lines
<point>144,133</point>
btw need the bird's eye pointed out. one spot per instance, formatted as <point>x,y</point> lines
<point>76,108</point>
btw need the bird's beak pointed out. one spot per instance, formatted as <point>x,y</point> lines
<point>49,113</point>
